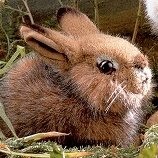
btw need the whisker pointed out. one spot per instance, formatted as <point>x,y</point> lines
<point>108,107</point>
<point>115,91</point>
<point>125,100</point>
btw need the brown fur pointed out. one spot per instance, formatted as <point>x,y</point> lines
<point>79,26</point>
<point>38,97</point>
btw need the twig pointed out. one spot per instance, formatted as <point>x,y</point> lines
<point>96,9</point>
<point>151,49</point>
<point>76,4</point>
<point>137,22</point>
<point>20,11</point>
<point>28,10</point>
<point>8,41</point>
<point>20,8</point>
<point>3,30</point>
<point>92,2</point>
<point>60,2</point>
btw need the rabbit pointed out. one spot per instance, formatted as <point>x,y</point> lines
<point>80,81</point>
<point>152,13</point>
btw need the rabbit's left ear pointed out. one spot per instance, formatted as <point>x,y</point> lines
<point>50,43</point>
<point>75,23</point>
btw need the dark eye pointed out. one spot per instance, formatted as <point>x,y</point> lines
<point>106,67</point>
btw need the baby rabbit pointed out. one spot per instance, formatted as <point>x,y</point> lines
<point>84,82</point>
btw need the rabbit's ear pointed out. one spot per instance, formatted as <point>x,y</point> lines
<point>75,23</point>
<point>50,43</point>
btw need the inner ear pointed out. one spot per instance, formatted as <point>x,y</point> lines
<point>46,50</point>
<point>50,43</point>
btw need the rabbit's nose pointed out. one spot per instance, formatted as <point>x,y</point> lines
<point>145,75</point>
<point>145,78</point>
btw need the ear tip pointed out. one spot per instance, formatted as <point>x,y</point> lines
<point>25,29</point>
<point>37,28</point>
<point>22,28</point>
<point>34,27</point>
<point>64,10</point>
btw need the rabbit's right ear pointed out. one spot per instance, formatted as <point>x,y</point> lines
<point>75,23</point>
<point>50,43</point>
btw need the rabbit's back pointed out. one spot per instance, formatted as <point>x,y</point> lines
<point>29,91</point>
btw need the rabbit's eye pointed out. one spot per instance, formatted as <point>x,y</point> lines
<point>106,67</point>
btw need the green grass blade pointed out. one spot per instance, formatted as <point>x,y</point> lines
<point>2,136</point>
<point>20,51</point>
<point>6,120</point>
<point>39,136</point>
<point>2,62</point>
<point>25,154</point>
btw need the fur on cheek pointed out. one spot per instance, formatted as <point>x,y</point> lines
<point>101,92</point>
<point>93,88</point>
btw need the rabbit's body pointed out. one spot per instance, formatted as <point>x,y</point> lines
<point>50,104</point>
<point>98,98</point>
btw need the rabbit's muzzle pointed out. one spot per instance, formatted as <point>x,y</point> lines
<point>143,77</point>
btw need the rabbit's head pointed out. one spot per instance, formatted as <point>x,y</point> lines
<point>102,69</point>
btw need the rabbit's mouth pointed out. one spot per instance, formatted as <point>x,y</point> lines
<point>130,95</point>
<point>143,78</point>
<point>122,99</point>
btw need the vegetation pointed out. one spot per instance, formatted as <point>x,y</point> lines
<point>12,48</point>
<point>31,147</point>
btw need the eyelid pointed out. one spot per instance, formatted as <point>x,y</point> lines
<point>109,70</point>
<point>104,57</point>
